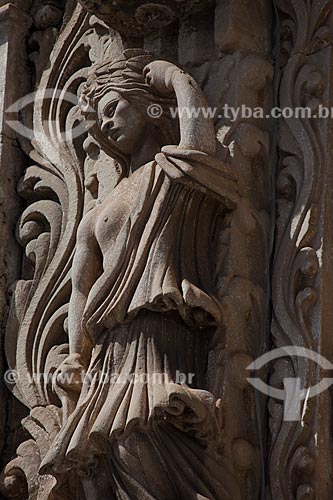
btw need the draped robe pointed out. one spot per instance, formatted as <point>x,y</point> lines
<point>149,314</point>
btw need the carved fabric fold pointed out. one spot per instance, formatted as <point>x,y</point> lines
<point>180,468</point>
<point>132,384</point>
<point>160,254</point>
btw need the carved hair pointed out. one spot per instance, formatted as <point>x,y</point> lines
<point>125,76</point>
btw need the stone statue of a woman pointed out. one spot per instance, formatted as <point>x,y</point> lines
<point>144,309</point>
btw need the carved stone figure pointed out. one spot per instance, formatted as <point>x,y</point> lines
<point>144,309</point>
<point>142,293</point>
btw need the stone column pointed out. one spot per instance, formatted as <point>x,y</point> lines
<point>14,83</point>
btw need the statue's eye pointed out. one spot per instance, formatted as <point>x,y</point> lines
<point>110,111</point>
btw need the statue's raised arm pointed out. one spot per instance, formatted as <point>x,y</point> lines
<point>196,128</point>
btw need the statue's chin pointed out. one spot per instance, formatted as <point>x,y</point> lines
<point>124,145</point>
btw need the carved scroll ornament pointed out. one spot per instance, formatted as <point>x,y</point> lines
<point>300,459</point>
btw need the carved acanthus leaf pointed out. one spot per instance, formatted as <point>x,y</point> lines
<point>56,193</point>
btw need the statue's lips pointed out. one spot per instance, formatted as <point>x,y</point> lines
<point>114,134</point>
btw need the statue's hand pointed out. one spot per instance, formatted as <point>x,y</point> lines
<point>159,75</point>
<point>70,374</point>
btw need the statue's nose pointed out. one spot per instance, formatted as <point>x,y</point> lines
<point>106,124</point>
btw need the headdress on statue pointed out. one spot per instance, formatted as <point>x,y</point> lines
<point>125,76</point>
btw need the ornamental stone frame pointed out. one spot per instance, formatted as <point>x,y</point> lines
<point>138,243</point>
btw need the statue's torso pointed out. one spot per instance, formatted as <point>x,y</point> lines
<point>150,208</point>
<point>115,212</point>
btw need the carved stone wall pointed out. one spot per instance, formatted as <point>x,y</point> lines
<point>139,242</point>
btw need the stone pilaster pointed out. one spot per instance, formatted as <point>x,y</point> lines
<point>301,452</point>
<point>14,83</point>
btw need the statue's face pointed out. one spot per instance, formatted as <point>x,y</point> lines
<point>121,123</point>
